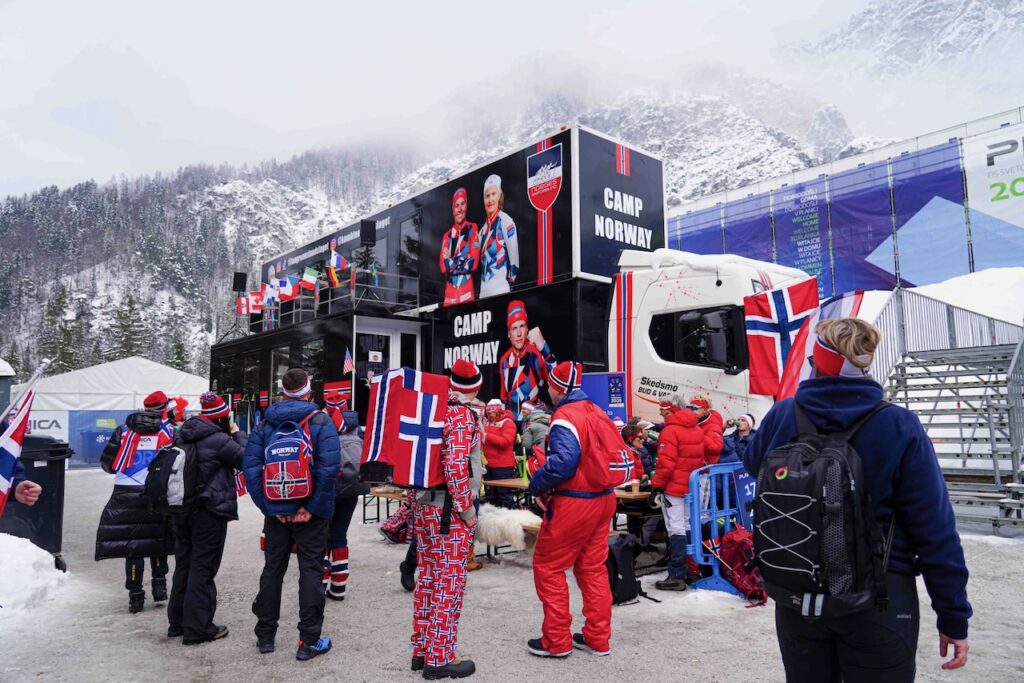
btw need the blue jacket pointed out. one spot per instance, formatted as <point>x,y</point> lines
<point>563,453</point>
<point>903,477</point>
<point>326,459</point>
<point>737,443</point>
<point>19,476</point>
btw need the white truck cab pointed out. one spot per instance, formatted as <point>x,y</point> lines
<point>676,325</point>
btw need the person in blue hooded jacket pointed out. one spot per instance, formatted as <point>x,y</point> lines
<point>304,524</point>
<point>905,484</point>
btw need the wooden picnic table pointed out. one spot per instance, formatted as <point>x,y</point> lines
<point>389,494</point>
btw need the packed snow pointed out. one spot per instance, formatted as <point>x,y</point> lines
<point>29,578</point>
<point>996,292</point>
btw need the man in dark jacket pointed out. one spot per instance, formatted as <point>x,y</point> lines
<point>128,527</point>
<point>288,522</point>
<point>905,484</point>
<point>201,532</point>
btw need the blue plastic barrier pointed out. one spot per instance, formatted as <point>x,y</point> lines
<point>713,501</point>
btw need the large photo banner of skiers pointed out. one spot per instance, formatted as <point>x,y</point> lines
<point>503,227</point>
<point>515,339</point>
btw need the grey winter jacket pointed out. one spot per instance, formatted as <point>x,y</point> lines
<point>535,430</point>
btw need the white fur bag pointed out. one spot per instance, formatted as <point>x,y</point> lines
<point>500,526</point>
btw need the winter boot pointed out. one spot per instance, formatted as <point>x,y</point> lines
<point>471,563</point>
<point>456,669</point>
<point>338,575</point>
<point>136,601</point>
<point>159,590</point>
<point>672,583</point>
<point>408,577</point>
<point>307,652</point>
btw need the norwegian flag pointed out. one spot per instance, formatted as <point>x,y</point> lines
<point>339,393</point>
<point>10,448</point>
<point>798,364</point>
<point>240,483</point>
<point>405,425</point>
<point>773,320</point>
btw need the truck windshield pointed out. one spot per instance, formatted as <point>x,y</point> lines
<point>714,337</point>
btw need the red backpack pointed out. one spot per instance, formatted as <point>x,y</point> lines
<point>735,553</point>
<point>287,465</point>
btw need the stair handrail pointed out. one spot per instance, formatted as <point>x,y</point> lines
<point>910,321</point>
<point>1015,397</point>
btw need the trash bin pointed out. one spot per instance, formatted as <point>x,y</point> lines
<point>43,523</point>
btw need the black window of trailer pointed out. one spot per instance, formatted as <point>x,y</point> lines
<point>251,373</point>
<point>280,362</point>
<point>231,374</point>
<point>313,363</point>
<point>713,337</point>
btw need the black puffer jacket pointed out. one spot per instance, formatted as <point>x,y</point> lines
<point>217,456</point>
<point>128,527</point>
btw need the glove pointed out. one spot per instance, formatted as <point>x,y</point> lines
<point>655,499</point>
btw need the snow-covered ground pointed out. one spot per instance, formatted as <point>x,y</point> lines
<point>81,630</point>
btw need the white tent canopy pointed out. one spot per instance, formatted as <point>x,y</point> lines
<point>118,385</point>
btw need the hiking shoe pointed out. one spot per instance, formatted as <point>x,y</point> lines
<point>456,669</point>
<point>335,596</point>
<point>265,645</point>
<point>418,663</point>
<point>218,633</point>
<point>175,632</point>
<point>580,643</point>
<point>536,647</point>
<point>159,590</point>
<point>136,603</point>
<point>408,578</point>
<point>671,584</point>
<point>307,652</point>
<point>390,536</point>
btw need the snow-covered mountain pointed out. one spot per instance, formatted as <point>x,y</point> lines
<point>897,37</point>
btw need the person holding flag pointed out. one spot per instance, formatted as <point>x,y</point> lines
<point>128,527</point>
<point>12,472</point>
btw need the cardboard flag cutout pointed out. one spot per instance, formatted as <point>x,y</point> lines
<point>404,429</point>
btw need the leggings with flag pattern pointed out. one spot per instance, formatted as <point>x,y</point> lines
<point>437,602</point>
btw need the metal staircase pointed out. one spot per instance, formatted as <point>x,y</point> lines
<point>962,374</point>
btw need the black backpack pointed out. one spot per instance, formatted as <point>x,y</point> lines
<point>172,480</point>
<point>817,541</point>
<point>625,586</point>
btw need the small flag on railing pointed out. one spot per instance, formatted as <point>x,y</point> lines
<point>349,366</point>
<point>256,302</point>
<point>338,261</point>
<point>242,305</point>
<point>333,279</point>
<point>309,279</point>
<point>373,273</point>
<point>286,288</point>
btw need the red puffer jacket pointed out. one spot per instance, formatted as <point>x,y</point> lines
<point>501,437</point>
<point>711,426</point>
<point>680,452</point>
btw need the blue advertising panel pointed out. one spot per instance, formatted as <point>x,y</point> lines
<point>928,194</point>
<point>801,231</point>
<point>748,227</point>
<point>744,485</point>
<point>861,218</point>
<point>607,391</point>
<point>698,232</point>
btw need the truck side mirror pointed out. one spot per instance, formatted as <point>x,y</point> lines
<point>714,321</point>
<point>689,317</point>
<point>716,347</point>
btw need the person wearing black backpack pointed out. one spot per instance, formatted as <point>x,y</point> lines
<point>217,446</point>
<point>303,522</point>
<point>910,502</point>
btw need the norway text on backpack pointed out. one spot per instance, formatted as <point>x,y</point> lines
<point>817,541</point>
<point>287,465</point>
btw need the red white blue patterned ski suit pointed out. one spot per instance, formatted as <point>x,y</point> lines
<point>437,602</point>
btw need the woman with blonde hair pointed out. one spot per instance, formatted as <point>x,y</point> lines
<point>499,244</point>
<point>907,491</point>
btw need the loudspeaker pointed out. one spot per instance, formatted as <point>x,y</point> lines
<point>238,284</point>
<point>367,233</point>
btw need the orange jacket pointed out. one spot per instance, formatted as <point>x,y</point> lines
<point>501,437</point>
<point>680,452</point>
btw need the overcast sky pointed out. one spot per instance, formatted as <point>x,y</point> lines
<point>100,89</point>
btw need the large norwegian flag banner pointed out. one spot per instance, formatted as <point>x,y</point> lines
<point>798,364</point>
<point>773,320</point>
<point>10,449</point>
<point>404,428</point>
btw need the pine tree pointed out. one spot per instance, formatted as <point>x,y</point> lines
<point>127,335</point>
<point>179,352</point>
<point>60,338</point>
<point>13,359</point>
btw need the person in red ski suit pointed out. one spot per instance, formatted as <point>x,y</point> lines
<point>710,422</point>
<point>585,459</point>
<point>443,540</point>
<point>460,253</point>
<point>499,438</point>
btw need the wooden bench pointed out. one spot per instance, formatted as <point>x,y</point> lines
<point>386,493</point>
